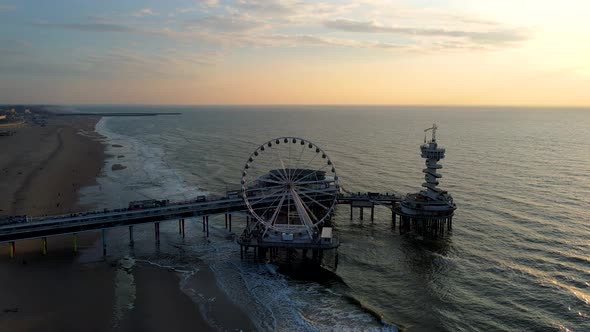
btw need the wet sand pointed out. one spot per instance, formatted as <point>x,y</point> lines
<point>55,293</point>
<point>41,172</point>
<point>43,168</point>
<point>155,286</point>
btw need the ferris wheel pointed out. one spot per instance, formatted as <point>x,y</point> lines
<point>290,186</point>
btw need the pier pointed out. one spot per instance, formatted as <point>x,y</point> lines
<point>38,227</point>
<point>288,209</point>
<point>25,228</point>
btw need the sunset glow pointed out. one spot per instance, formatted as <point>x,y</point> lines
<point>469,52</point>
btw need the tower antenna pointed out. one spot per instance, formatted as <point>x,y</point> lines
<point>433,128</point>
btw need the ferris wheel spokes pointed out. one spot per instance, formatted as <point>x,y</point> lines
<point>268,195</point>
<point>298,160</point>
<point>280,177</point>
<point>316,191</point>
<point>302,211</point>
<point>271,181</point>
<point>313,200</point>
<point>306,165</point>
<point>278,209</point>
<point>311,213</point>
<point>267,207</point>
<point>314,172</point>
<point>278,152</point>
<point>283,195</point>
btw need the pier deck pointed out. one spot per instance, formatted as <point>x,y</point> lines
<point>40,227</point>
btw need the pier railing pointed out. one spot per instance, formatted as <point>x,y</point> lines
<point>27,228</point>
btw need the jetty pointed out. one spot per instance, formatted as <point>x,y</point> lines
<point>16,228</point>
<point>113,114</point>
<point>289,193</point>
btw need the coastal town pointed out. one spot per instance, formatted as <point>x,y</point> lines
<point>294,165</point>
<point>13,117</point>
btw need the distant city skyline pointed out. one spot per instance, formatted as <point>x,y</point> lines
<point>422,52</point>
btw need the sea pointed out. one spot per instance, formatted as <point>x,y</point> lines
<point>517,259</point>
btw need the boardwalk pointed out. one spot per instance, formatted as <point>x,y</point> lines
<point>41,227</point>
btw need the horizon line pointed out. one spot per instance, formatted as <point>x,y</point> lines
<point>301,104</point>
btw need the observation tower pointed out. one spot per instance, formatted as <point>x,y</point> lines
<point>431,210</point>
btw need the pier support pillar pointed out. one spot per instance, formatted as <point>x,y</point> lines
<point>207,224</point>
<point>225,220</point>
<point>12,249</point>
<point>75,238</point>
<point>182,228</point>
<point>203,224</point>
<point>44,245</point>
<point>104,242</point>
<point>179,226</point>
<point>351,210</point>
<point>131,235</point>
<point>372,212</point>
<point>229,221</point>
<point>361,213</point>
<point>157,230</point>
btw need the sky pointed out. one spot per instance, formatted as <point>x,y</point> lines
<point>421,52</point>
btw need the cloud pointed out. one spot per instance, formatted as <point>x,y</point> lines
<point>223,26</point>
<point>497,36</point>
<point>33,68</point>
<point>227,23</point>
<point>128,63</point>
<point>7,8</point>
<point>15,43</point>
<point>91,27</point>
<point>113,64</point>
<point>474,20</point>
<point>291,11</point>
<point>100,26</point>
<point>210,3</point>
<point>314,40</point>
<point>144,12</point>
<point>278,8</point>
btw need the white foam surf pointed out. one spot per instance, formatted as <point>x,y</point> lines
<point>268,297</point>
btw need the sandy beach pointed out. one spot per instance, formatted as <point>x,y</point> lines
<point>43,168</point>
<point>41,172</point>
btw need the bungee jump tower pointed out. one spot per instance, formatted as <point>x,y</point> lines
<point>430,211</point>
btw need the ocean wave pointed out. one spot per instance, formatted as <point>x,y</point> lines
<point>148,174</point>
<point>265,294</point>
<point>504,257</point>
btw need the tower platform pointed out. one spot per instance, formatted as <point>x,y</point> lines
<point>430,211</point>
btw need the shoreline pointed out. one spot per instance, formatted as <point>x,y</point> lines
<point>72,292</point>
<point>46,167</point>
<point>42,174</point>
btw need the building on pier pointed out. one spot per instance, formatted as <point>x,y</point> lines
<point>290,206</point>
<point>289,189</point>
<point>430,211</point>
